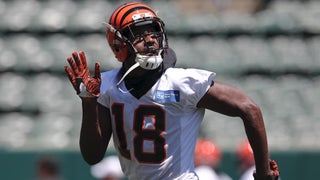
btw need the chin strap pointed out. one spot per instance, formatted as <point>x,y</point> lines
<point>125,74</point>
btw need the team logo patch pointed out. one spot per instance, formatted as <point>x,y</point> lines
<point>167,96</point>
<point>141,15</point>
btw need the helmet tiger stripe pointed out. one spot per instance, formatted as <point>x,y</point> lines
<point>121,19</point>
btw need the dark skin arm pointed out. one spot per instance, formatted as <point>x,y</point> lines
<point>95,131</point>
<point>96,127</point>
<point>227,100</point>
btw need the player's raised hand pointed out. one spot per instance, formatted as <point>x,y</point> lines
<point>80,78</point>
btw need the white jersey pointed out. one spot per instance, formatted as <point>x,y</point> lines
<point>206,173</point>
<point>155,135</point>
<point>248,174</point>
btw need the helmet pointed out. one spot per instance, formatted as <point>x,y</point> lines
<point>207,153</point>
<point>122,22</point>
<point>245,154</point>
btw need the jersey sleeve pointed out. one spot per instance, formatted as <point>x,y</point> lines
<point>108,82</point>
<point>193,84</point>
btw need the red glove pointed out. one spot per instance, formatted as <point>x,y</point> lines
<point>274,173</point>
<point>79,75</point>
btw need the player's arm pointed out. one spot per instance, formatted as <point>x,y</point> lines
<point>96,124</point>
<point>95,131</point>
<point>225,99</point>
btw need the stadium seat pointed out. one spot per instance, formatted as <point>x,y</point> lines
<point>12,87</point>
<point>8,58</point>
<point>14,130</point>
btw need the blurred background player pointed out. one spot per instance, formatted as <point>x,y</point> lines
<point>245,161</point>
<point>108,169</point>
<point>207,160</point>
<point>47,168</point>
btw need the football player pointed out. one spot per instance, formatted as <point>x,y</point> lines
<point>152,109</point>
<point>207,158</point>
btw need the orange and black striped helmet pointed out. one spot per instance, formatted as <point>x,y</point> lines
<point>207,153</point>
<point>125,17</point>
<point>244,154</point>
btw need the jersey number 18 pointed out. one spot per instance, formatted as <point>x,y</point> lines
<point>141,134</point>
